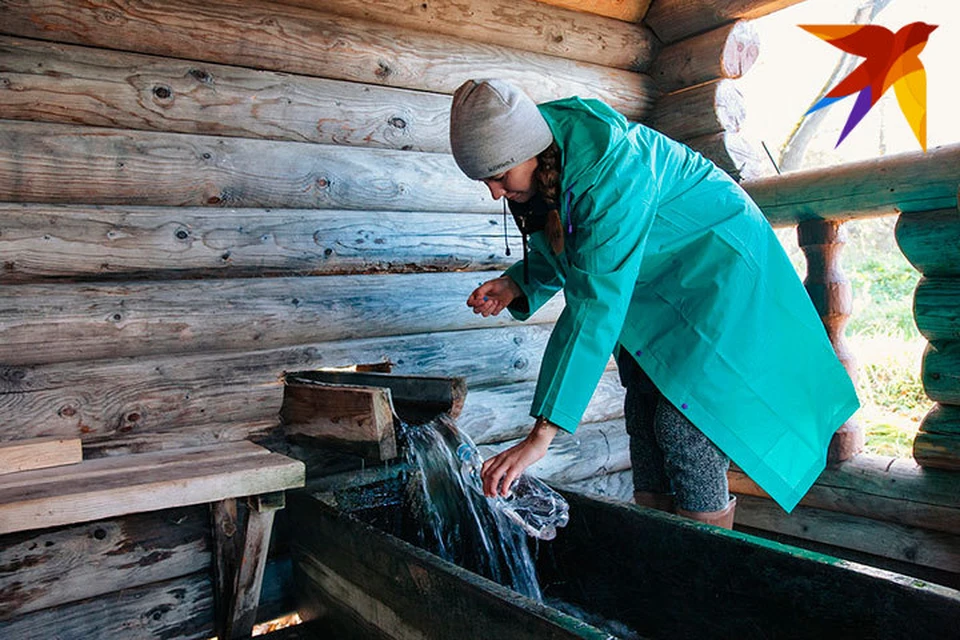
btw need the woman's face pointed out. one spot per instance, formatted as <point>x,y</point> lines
<point>515,184</point>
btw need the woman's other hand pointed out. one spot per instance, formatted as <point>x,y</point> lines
<point>493,296</point>
<point>501,470</point>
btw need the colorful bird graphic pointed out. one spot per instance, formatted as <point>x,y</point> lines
<point>891,59</point>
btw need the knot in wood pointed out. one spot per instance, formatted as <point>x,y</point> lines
<point>162,92</point>
<point>200,75</point>
<point>182,234</point>
<point>397,122</point>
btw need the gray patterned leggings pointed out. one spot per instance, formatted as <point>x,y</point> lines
<point>667,452</point>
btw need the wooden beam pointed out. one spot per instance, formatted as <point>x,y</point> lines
<point>940,372</point>
<point>930,240</point>
<point>110,487</point>
<point>54,567</point>
<point>943,418</point>
<point>54,163</point>
<point>38,453</point>
<point>936,308</point>
<point>149,403</point>
<point>674,20</point>
<point>519,24</point>
<point>265,35</point>
<point>46,323</point>
<point>616,486</point>
<point>56,242</point>
<point>708,109</point>
<point>178,608</point>
<point>627,10</point>
<point>906,182</point>
<point>131,91</point>
<point>355,419</point>
<point>731,152</point>
<point>726,52</point>
<point>937,450</point>
<point>500,413</point>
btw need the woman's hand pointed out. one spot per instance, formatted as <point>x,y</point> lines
<point>501,470</point>
<point>493,296</point>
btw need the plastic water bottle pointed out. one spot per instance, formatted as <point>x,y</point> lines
<point>531,504</point>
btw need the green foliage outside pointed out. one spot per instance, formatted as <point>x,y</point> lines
<point>881,334</point>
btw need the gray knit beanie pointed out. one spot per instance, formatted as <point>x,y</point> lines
<point>494,126</point>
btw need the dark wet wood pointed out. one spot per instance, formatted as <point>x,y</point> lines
<point>936,307</point>
<point>938,451</point>
<point>931,241</point>
<point>940,372</point>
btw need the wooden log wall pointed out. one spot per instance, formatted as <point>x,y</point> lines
<point>930,241</point>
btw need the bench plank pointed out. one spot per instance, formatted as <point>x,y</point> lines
<point>39,453</point>
<point>109,487</point>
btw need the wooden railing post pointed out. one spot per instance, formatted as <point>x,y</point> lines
<point>832,295</point>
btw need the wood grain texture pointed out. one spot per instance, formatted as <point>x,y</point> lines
<point>704,110</point>
<point>521,24</point>
<point>109,487</point>
<point>936,308</point>
<point>905,182</point>
<point>39,453</point>
<point>937,450</point>
<point>265,35</point>
<point>931,241</point>
<point>55,242</point>
<point>627,10</point>
<point>731,152</point>
<point>55,82</point>
<point>616,486</point>
<point>940,372</point>
<point>726,52</point>
<point>500,413</point>
<point>674,20</point>
<point>131,405</point>
<point>918,546</point>
<point>55,163</point>
<point>39,570</point>
<point>179,609</point>
<point>943,418</point>
<point>46,323</point>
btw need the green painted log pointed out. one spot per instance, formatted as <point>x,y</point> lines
<point>519,24</point>
<point>57,242</point>
<point>148,403</point>
<point>943,419</point>
<point>265,35</point>
<point>938,451</point>
<point>940,372</point>
<point>56,163</point>
<point>936,308</point>
<point>906,182</point>
<point>931,241</point>
<point>54,82</point>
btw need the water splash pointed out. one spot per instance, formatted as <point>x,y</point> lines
<point>456,522</point>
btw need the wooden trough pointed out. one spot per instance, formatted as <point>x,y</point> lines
<point>658,574</point>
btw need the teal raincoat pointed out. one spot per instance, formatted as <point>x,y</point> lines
<point>669,258</point>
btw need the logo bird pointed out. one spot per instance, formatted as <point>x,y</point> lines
<point>891,59</point>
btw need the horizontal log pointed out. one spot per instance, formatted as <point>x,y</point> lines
<point>674,20</point>
<point>58,566</point>
<point>931,241</point>
<point>45,323</point>
<point>616,486</point>
<point>500,413</point>
<point>943,418</point>
<point>899,509</point>
<point>181,608</point>
<point>708,109</point>
<point>594,450</point>
<point>726,52</point>
<point>937,450</point>
<point>55,163</point>
<point>49,242</point>
<point>731,152</point>
<point>264,35</point>
<point>55,82</point>
<point>884,539</point>
<point>936,308</point>
<point>627,10</point>
<point>520,24</point>
<point>906,182</point>
<point>201,398</point>
<point>940,372</point>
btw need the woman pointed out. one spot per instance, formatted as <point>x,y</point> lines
<point>666,263</point>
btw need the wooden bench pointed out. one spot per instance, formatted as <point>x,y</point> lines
<point>217,474</point>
